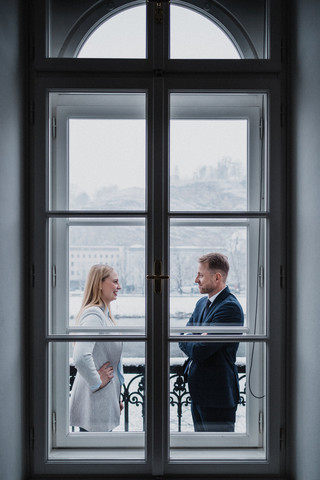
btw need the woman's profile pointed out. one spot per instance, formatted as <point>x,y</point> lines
<point>95,398</point>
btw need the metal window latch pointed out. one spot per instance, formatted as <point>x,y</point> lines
<point>54,422</point>
<point>261,276</point>
<point>54,276</point>
<point>158,13</point>
<point>157,276</point>
<point>260,422</point>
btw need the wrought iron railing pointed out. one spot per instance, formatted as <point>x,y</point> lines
<point>133,390</point>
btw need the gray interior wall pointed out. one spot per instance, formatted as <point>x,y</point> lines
<point>304,168</point>
<point>12,334</point>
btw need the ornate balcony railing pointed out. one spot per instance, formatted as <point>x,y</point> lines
<point>133,390</point>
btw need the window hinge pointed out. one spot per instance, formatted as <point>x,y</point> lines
<point>54,422</point>
<point>31,438</point>
<point>260,422</point>
<point>32,48</point>
<point>32,113</point>
<point>283,50</point>
<point>282,115</point>
<point>54,127</point>
<point>282,276</point>
<point>33,275</point>
<point>282,438</point>
<point>261,276</point>
<point>54,276</point>
<point>261,127</point>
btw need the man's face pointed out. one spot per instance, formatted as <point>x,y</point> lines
<point>209,281</point>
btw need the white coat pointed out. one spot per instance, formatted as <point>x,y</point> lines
<point>92,409</point>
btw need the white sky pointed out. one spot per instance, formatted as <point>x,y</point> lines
<point>105,152</point>
<point>192,36</point>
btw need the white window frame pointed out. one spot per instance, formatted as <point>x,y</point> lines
<point>189,106</point>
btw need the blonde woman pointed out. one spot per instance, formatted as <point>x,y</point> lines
<point>95,398</point>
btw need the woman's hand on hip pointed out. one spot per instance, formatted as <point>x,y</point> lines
<point>106,374</point>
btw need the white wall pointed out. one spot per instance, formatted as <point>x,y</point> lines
<point>12,318</point>
<point>304,168</point>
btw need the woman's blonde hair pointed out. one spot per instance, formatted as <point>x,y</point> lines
<point>92,290</point>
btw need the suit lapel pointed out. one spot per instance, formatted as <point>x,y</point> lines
<point>222,296</point>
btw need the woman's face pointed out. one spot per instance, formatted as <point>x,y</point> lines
<point>110,287</point>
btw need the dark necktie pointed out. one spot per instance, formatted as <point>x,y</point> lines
<point>208,305</point>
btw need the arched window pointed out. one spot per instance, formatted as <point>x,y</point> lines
<point>198,30</point>
<point>119,36</point>
<point>155,142</point>
<point>194,35</point>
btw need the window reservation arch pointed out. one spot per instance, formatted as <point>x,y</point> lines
<point>123,25</point>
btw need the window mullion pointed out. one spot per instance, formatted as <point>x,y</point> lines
<point>158,330</point>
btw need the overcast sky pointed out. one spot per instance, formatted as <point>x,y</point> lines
<point>112,152</point>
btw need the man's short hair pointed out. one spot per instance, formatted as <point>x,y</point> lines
<point>216,261</point>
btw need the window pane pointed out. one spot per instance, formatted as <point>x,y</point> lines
<point>195,36</point>
<point>243,242</point>
<point>216,153</point>
<point>78,405</point>
<point>98,151</point>
<point>120,36</point>
<point>84,243</point>
<point>96,30</point>
<point>107,164</point>
<point>234,372</point>
<point>208,170</point>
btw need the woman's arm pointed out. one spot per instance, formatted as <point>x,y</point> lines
<point>83,359</point>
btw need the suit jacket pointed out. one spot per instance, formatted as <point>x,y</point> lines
<point>213,375</point>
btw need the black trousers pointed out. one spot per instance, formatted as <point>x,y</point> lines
<point>207,419</point>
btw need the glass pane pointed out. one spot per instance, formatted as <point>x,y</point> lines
<point>120,36</point>
<point>208,171</point>
<point>216,153</point>
<point>243,243</point>
<point>89,29</point>
<point>98,151</point>
<point>107,164</point>
<point>195,36</point>
<point>98,395</point>
<point>218,404</point>
<point>80,244</point>
<point>129,369</point>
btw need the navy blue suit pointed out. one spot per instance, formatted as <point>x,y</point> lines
<point>213,375</point>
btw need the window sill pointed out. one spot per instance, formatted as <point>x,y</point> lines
<point>177,455</point>
<point>93,454</point>
<point>188,455</point>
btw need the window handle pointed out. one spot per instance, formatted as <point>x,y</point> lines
<point>157,276</point>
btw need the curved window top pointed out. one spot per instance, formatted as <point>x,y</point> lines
<point>121,36</point>
<point>195,36</point>
<point>199,29</point>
